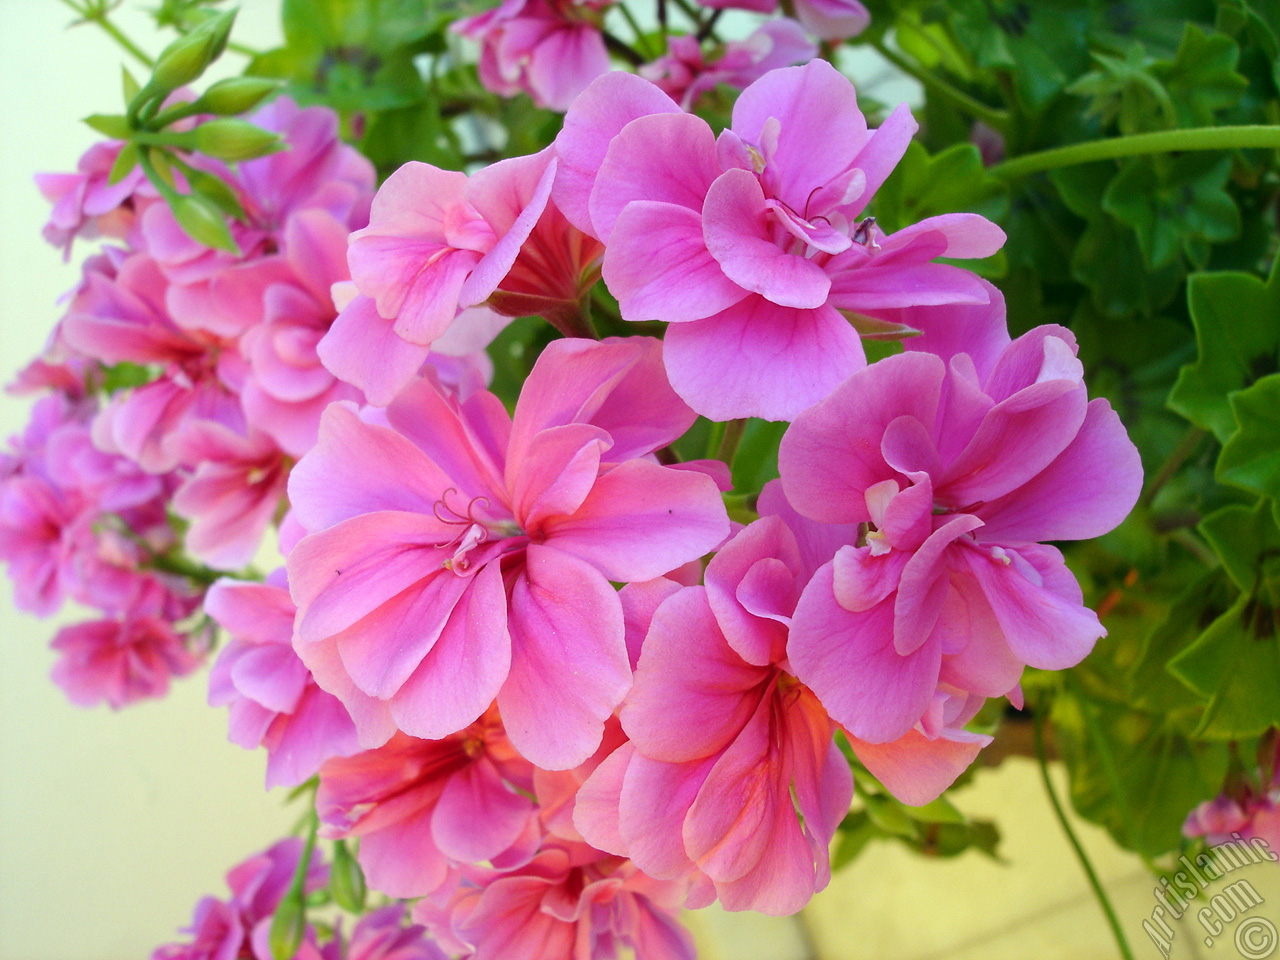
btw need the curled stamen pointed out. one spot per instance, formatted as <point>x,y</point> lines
<point>862,233</point>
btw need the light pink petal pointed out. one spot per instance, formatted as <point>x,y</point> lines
<point>769,361</point>
<point>916,769</point>
<point>462,673</point>
<point>924,584</point>
<point>658,266</point>
<point>663,157</point>
<point>848,660</point>
<point>833,19</point>
<point>566,621</point>
<point>595,808</point>
<point>403,860</point>
<point>654,802</point>
<point>597,116</point>
<point>1085,492</point>
<point>963,236</point>
<point>736,227</point>
<point>363,349</point>
<point>752,588</point>
<point>640,601</point>
<point>478,816</point>
<point>556,473</point>
<point>641,520</point>
<point>511,195</point>
<point>563,65</point>
<point>831,455</point>
<point>319,729</point>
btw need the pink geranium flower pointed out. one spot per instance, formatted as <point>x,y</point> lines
<point>824,19</point>
<point>383,935</point>
<point>569,901</point>
<point>684,74</point>
<point>416,805</point>
<point>273,700</point>
<point>549,49</point>
<point>456,556</point>
<point>961,468</point>
<point>749,244</point>
<point>85,203</point>
<point>120,661</point>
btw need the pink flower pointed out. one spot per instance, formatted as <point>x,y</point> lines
<point>287,387</point>
<point>273,700</point>
<point>417,804</point>
<point>239,928</point>
<point>824,19</point>
<point>382,935</point>
<point>748,244</point>
<point>1217,820</point>
<point>570,902</point>
<point>232,495</point>
<point>120,661</point>
<point>684,74</point>
<point>961,475</point>
<point>550,49</point>
<point>85,204</point>
<point>440,243</point>
<point>456,555</point>
<point>731,775</point>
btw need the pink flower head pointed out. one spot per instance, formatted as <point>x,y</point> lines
<point>222,292</point>
<point>549,49</point>
<point>232,495</point>
<point>684,74</point>
<point>273,700</point>
<point>570,902</point>
<point>456,555</point>
<point>439,243</point>
<point>824,19</point>
<point>1224,818</point>
<point>383,935</point>
<point>749,244</point>
<point>287,387</point>
<point>239,927</point>
<point>85,204</point>
<point>417,804</point>
<point>120,661</point>
<point>961,467</point>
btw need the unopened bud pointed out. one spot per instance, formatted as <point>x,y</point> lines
<point>231,140</point>
<point>347,880</point>
<point>288,927</point>
<point>182,61</point>
<point>236,95</point>
<point>202,222</point>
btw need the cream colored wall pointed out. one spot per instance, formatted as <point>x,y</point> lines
<point>111,825</point>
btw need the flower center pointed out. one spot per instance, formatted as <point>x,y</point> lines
<point>474,529</point>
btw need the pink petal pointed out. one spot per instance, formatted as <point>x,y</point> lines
<point>916,769</point>
<point>362,348</point>
<point>478,816</point>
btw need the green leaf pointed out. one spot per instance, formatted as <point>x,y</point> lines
<point>1236,664</point>
<point>114,125</point>
<point>1248,542</point>
<point>940,810</point>
<point>1172,204</point>
<point>130,85</point>
<point>1202,78</point>
<point>1251,456</point>
<point>951,181</point>
<point>1238,337</point>
<point>856,831</point>
<point>126,160</point>
<point>125,376</point>
<point>891,816</point>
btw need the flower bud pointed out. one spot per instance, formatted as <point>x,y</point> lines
<point>236,95</point>
<point>202,222</point>
<point>347,880</point>
<point>231,140</point>
<point>288,927</point>
<point>182,61</point>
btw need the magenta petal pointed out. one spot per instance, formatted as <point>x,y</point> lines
<point>848,660</point>
<point>964,235</point>
<point>478,816</point>
<point>566,620</point>
<point>595,808</point>
<point>752,589</point>
<point>640,601</point>
<point>734,222</point>
<point>319,729</point>
<point>831,454</point>
<point>817,542</point>
<point>658,266</point>
<point>757,359</point>
<point>862,580</point>
<point>924,584</point>
<point>654,802</point>
<point>667,157</point>
<point>1088,490</point>
<point>403,861</point>
<point>597,116</point>
<point>916,769</point>
<point>642,520</point>
<point>511,195</point>
<point>556,473</point>
<point>459,677</point>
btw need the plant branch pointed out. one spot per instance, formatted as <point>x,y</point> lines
<point>1257,136</point>
<point>999,119</point>
<point>98,15</point>
<point>1103,900</point>
<point>623,50</point>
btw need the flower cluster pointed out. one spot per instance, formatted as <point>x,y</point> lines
<point>535,670</point>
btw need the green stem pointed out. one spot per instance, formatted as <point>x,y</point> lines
<point>1103,900</point>
<point>729,440</point>
<point>100,18</point>
<point>1256,136</point>
<point>1187,446</point>
<point>999,119</point>
<point>641,42</point>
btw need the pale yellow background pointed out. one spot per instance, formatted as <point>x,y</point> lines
<point>113,825</point>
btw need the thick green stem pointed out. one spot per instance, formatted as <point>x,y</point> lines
<point>1101,894</point>
<point>729,440</point>
<point>1257,136</point>
<point>999,119</point>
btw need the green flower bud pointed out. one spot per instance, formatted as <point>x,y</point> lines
<point>236,95</point>
<point>231,140</point>
<point>347,880</point>
<point>202,221</point>
<point>288,927</point>
<point>182,61</point>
